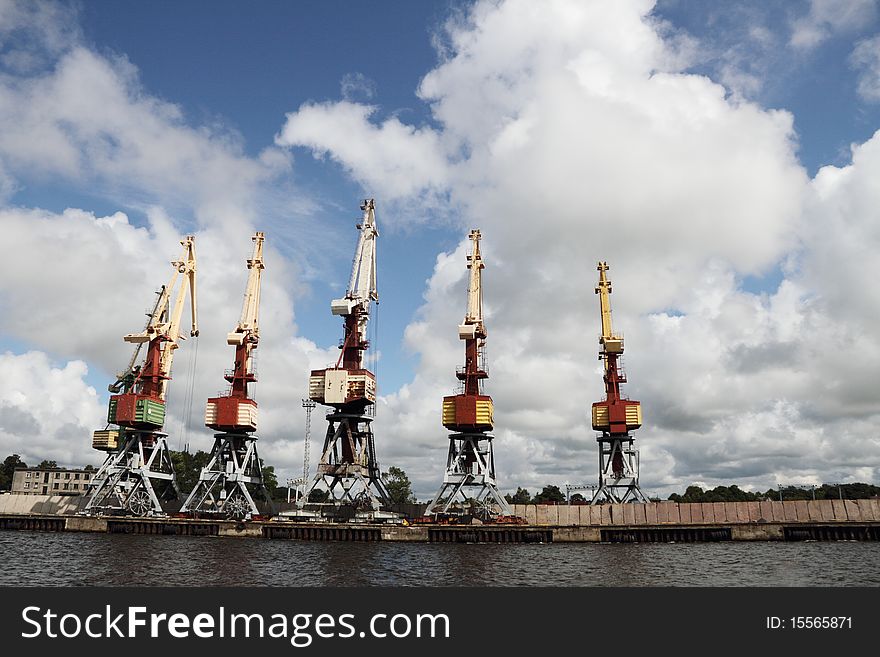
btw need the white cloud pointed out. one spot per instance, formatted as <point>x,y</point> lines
<point>74,283</point>
<point>45,410</point>
<point>392,160</point>
<point>865,58</point>
<point>90,281</point>
<point>567,133</point>
<point>32,34</point>
<point>89,120</point>
<point>826,18</point>
<point>357,85</point>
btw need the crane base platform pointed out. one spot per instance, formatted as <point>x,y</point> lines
<point>469,484</point>
<point>618,470</point>
<point>348,470</point>
<point>128,479</point>
<point>232,479</point>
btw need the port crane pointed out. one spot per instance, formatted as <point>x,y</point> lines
<point>469,478</point>
<point>233,476</point>
<point>348,468</point>
<point>138,461</point>
<point>615,417</point>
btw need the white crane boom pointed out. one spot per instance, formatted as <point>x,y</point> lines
<point>165,324</point>
<point>473,326</point>
<point>362,284</point>
<point>248,324</point>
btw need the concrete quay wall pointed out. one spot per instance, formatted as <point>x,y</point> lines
<point>614,523</point>
<point>64,505</point>
<point>706,513</point>
<point>584,515</point>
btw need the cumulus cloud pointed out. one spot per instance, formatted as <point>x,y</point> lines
<point>865,58</point>
<point>73,282</point>
<point>46,409</point>
<point>568,133</point>
<point>32,34</point>
<point>826,18</point>
<point>89,120</point>
<point>393,159</point>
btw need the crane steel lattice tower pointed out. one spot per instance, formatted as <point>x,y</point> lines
<point>137,450</point>
<point>234,472</point>
<point>348,467</point>
<point>470,464</point>
<point>615,417</point>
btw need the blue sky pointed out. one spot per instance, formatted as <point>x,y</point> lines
<point>246,67</point>
<point>682,141</point>
<point>817,86</point>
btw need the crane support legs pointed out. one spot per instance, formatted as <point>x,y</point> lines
<point>228,483</point>
<point>348,469</point>
<point>470,477</point>
<point>125,482</point>
<point>618,470</point>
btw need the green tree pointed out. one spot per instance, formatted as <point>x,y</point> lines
<point>731,493</point>
<point>855,491</point>
<point>577,498</point>
<point>47,464</point>
<point>521,496</point>
<point>550,494</point>
<point>188,467</point>
<point>270,480</point>
<point>7,468</point>
<point>398,485</point>
<point>317,496</point>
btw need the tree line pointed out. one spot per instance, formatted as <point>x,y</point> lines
<point>733,493</point>
<point>188,467</point>
<point>856,491</point>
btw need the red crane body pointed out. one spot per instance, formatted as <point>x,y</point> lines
<point>236,412</point>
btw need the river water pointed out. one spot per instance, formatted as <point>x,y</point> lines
<point>68,559</point>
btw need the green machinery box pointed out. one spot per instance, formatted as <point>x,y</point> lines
<point>134,410</point>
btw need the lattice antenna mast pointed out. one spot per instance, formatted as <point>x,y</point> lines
<point>309,405</point>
